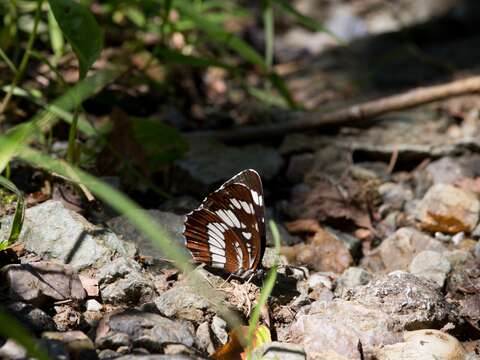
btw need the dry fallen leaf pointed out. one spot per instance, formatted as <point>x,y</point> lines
<point>233,349</point>
<point>348,200</point>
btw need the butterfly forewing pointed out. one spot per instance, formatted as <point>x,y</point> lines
<point>236,207</point>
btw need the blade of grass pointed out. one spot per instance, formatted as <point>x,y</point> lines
<point>17,222</point>
<point>11,328</point>
<point>268,24</point>
<point>283,90</point>
<point>7,61</point>
<point>267,286</point>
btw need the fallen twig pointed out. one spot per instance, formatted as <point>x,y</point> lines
<point>351,115</point>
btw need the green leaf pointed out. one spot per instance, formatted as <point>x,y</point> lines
<point>56,38</point>
<point>282,88</point>
<point>81,30</point>
<point>17,222</point>
<point>262,336</point>
<point>162,143</point>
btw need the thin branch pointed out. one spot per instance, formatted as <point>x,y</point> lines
<point>350,115</point>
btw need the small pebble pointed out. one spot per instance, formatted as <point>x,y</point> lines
<point>93,305</point>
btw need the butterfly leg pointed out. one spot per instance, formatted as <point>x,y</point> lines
<point>225,281</point>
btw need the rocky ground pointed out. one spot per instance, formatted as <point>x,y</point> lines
<point>379,225</point>
<point>381,260</point>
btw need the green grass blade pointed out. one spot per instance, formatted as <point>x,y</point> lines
<point>17,222</point>
<point>11,328</point>
<point>267,286</point>
<point>269,30</point>
<point>7,61</point>
<point>282,88</point>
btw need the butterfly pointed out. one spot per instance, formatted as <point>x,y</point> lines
<point>227,231</point>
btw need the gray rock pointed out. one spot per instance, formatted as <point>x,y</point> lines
<point>316,280</point>
<point>409,301</point>
<point>270,257</point>
<point>115,340</point>
<point>108,354</point>
<point>13,351</point>
<point>133,289</point>
<point>78,345</point>
<point>448,209</point>
<point>122,281</point>
<point>432,266</point>
<point>278,350</point>
<point>196,173</point>
<point>397,251</point>
<point>423,344</point>
<point>353,244</point>
<point>34,319</point>
<point>299,166</point>
<point>39,281</point>
<point>204,338</point>
<point>181,301</point>
<point>458,257</point>
<point>93,305</point>
<point>476,232</point>
<point>116,269</point>
<point>219,328</point>
<point>144,330</point>
<point>353,276</point>
<point>376,314</point>
<point>394,196</point>
<point>448,170</point>
<point>55,348</point>
<point>172,223</point>
<point>331,330</point>
<point>54,232</point>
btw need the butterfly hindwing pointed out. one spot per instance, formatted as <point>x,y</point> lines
<point>228,229</point>
<point>212,242</point>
